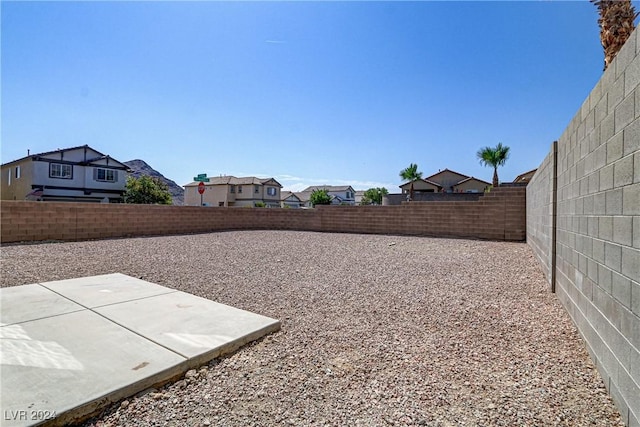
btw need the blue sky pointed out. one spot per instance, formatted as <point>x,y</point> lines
<point>308,92</point>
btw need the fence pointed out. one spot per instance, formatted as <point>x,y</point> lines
<point>500,215</point>
<point>583,224</point>
<point>398,199</point>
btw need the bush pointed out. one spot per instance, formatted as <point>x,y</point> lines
<point>320,197</point>
<point>147,190</point>
<point>373,196</point>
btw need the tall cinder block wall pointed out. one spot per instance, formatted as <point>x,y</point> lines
<point>597,246</point>
<point>540,214</point>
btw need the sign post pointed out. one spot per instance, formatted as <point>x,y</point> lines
<point>202,178</point>
<point>201,191</point>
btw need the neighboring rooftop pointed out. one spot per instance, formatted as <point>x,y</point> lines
<point>232,180</point>
<point>525,177</point>
<point>328,188</point>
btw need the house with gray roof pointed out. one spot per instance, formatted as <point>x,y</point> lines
<point>340,194</point>
<point>289,199</point>
<point>76,174</point>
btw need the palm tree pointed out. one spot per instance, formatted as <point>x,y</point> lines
<point>494,157</point>
<point>616,25</point>
<point>411,174</point>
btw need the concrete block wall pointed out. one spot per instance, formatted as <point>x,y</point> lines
<point>597,274</point>
<point>37,221</point>
<point>540,214</point>
<point>398,198</point>
<point>500,215</point>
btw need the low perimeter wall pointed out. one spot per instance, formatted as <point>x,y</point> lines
<point>583,224</point>
<point>398,199</point>
<point>500,215</point>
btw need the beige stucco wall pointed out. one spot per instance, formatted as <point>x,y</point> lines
<point>271,199</point>
<point>244,192</point>
<point>17,189</point>
<point>472,184</point>
<point>261,192</point>
<point>447,179</point>
<point>243,204</point>
<point>213,195</point>
<point>419,185</point>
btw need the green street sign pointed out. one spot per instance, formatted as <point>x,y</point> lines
<point>202,175</point>
<point>201,178</point>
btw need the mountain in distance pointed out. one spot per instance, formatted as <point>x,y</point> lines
<point>140,167</point>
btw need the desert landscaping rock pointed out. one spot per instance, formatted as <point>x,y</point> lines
<point>376,330</point>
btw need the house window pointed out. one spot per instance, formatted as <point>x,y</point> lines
<point>9,177</point>
<point>239,188</point>
<point>256,189</point>
<point>108,175</point>
<point>271,191</point>
<point>232,189</point>
<point>17,172</point>
<point>59,170</point>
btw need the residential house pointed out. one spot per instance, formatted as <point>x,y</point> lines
<point>525,177</point>
<point>359,196</point>
<point>305,198</point>
<point>421,186</point>
<point>340,194</point>
<point>77,174</point>
<point>289,199</point>
<point>471,185</point>
<point>230,191</point>
<point>446,181</point>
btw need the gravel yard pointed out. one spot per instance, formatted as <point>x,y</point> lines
<point>376,330</point>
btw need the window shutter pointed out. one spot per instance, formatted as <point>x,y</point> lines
<point>95,174</point>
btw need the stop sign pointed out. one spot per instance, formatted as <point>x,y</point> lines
<point>201,188</point>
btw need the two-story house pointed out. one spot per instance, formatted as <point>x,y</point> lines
<point>230,191</point>
<point>77,174</point>
<point>340,194</point>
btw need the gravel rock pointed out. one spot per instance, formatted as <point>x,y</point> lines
<point>376,330</point>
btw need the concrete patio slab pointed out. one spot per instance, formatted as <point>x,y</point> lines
<point>105,289</point>
<point>65,362</point>
<point>189,325</point>
<point>31,302</point>
<point>51,366</point>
